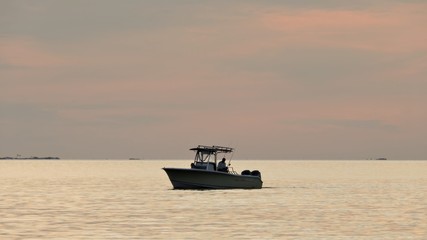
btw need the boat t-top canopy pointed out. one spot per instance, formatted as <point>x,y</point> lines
<point>212,149</point>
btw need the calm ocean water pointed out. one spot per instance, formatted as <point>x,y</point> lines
<point>70,199</point>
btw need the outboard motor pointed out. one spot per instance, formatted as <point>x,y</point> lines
<point>246,172</point>
<point>256,173</point>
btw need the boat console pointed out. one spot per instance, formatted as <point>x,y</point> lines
<point>210,166</point>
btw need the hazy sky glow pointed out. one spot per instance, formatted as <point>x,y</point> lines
<point>275,79</point>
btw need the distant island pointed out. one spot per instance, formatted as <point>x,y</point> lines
<point>29,158</point>
<point>380,158</point>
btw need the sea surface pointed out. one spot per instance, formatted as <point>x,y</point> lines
<point>123,199</point>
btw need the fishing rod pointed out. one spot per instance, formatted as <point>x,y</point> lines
<point>231,157</point>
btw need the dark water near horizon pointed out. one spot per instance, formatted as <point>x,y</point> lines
<point>120,199</point>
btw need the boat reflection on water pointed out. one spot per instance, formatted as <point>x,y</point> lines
<point>203,173</point>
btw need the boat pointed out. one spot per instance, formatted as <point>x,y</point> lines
<point>205,174</point>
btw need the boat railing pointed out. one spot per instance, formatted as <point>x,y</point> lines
<point>231,171</point>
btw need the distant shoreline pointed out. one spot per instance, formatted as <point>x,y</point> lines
<point>29,158</point>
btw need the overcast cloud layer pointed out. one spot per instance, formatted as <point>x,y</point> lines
<point>275,79</point>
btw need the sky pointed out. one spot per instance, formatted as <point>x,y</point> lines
<point>300,79</point>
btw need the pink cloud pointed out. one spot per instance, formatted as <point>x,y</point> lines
<point>23,52</point>
<point>400,28</point>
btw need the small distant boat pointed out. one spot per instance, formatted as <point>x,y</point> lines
<point>203,173</point>
<point>381,158</point>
